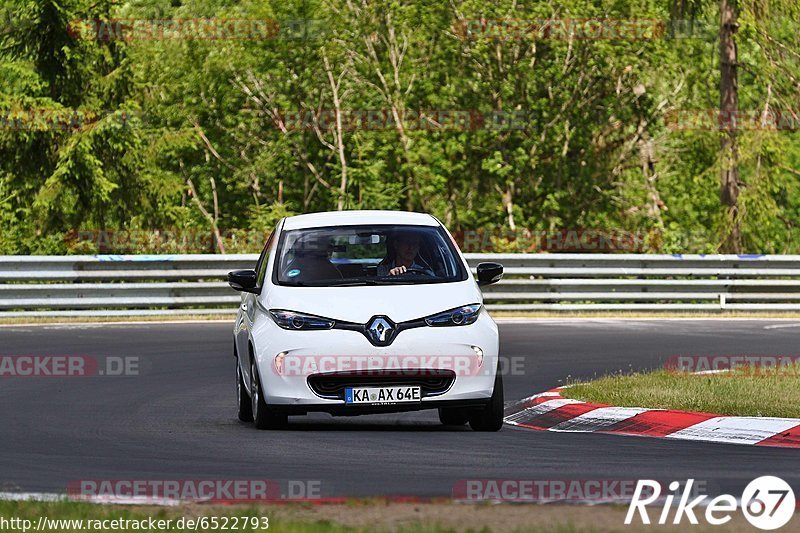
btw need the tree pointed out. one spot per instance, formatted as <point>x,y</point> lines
<point>729,108</point>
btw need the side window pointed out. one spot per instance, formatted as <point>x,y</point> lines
<point>261,266</point>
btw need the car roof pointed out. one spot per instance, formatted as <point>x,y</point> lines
<point>354,218</point>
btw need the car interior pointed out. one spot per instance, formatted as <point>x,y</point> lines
<point>320,257</point>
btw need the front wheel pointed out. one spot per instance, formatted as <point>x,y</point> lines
<point>490,418</point>
<point>263,416</point>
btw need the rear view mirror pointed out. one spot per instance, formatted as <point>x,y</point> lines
<point>365,238</point>
<point>243,280</point>
<point>489,273</point>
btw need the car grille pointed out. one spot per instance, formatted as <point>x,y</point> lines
<point>431,382</point>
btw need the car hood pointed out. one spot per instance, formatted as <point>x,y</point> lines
<point>359,304</point>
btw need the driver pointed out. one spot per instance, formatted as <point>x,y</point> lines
<point>402,255</point>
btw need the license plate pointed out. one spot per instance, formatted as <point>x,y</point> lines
<point>381,395</point>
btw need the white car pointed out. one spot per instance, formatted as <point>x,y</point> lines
<point>358,312</point>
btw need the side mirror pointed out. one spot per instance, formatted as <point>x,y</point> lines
<point>489,273</point>
<point>243,280</point>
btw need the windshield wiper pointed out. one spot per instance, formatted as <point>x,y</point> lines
<point>356,282</point>
<point>403,280</point>
<point>347,282</point>
<point>293,283</point>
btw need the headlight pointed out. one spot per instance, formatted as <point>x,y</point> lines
<point>299,321</point>
<point>460,316</point>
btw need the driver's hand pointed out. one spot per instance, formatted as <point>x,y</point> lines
<point>396,271</point>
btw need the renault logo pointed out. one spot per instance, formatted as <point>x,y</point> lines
<point>380,330</point>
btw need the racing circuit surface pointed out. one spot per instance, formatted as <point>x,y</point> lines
<point>177,419</point>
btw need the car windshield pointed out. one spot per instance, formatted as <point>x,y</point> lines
<point>367,255</point>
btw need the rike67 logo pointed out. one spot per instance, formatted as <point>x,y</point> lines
<point>767,502</point>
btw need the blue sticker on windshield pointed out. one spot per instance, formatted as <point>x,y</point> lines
<point>293,272</point>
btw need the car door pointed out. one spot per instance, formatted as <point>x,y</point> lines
<point>247,311</point>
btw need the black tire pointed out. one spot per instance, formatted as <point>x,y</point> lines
<point>451,416</point>
<point>490,418</point>
<point>263,416</point>
<point>245,406</point>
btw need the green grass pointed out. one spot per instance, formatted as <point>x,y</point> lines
<point>85,511</point>
<point>639,314</point>
<point>361,516</point>
<point>100,319</point>
<point>632,314</point>
<point>743,392</point>
<point>290,518</point>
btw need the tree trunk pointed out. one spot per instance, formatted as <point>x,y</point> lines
<point>508,199</point>
<point>339,133</point>
<point>728,109</point>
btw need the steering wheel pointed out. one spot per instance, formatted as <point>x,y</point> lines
<point>418,271</point>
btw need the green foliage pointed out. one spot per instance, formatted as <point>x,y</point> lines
<point>540,134</point>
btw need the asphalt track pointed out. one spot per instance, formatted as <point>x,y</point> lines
<point>177,419</point>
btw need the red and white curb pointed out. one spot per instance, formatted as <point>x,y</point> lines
<point>549,411</point>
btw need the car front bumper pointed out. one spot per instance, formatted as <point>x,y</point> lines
<point>287,358</point>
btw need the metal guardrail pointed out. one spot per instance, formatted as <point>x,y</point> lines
<point>108,285</point>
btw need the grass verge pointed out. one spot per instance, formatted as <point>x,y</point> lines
<point>643,315</point>
<point>99,319</point>
<point>742,392</point>
<point>356,516</point>
<point>634,313</point>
